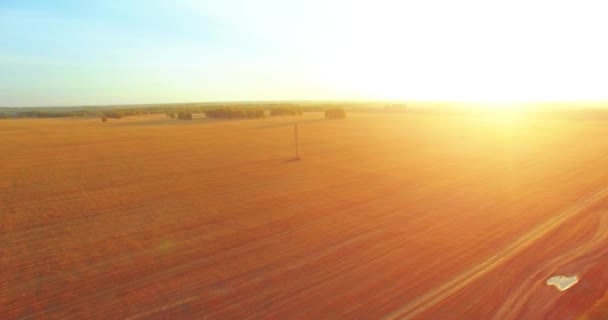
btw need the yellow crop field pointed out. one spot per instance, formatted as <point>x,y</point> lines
<point>384,216</point>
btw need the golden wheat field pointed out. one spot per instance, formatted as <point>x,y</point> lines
<point>384,216</point>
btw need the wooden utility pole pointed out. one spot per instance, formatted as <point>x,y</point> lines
<point>295,135</point>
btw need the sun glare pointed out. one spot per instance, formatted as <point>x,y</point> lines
<point>470,50</point>
<point>464,56</point>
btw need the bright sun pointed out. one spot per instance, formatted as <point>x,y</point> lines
<point>501,57</point>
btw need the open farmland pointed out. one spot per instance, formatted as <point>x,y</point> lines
<point>385,216</point>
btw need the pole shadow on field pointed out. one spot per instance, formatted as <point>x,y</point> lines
<point>291,160</point>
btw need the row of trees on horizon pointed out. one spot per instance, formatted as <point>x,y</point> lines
<point>230,111</point>
<point>236,113</point>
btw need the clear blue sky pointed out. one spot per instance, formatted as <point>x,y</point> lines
<point>64,52</point>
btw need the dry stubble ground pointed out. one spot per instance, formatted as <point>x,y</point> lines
<point>148,217</point>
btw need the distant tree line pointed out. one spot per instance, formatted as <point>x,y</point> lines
<point>184,116</point>
<point>336,113</point>
<point>215,110</point>
<point>113,114</point>
<point>45,114</point>
<point>285,111</point>
<point>51,113</point>
<point>235,113</point>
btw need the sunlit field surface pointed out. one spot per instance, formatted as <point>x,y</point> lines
<point>384,216</point>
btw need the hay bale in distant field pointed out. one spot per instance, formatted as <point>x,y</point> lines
<point>337,113</point>
<point>104,119</point>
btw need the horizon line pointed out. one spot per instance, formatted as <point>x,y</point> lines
<point>396,101</point>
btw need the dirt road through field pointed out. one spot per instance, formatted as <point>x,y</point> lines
<point>435,296</point>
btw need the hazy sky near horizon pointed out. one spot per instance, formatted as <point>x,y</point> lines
<point>69,52</point>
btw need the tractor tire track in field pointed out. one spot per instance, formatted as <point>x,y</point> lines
<point>442,292</point>
<point>587,252</point>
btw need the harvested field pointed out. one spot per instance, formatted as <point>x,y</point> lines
<point>385,216</point>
